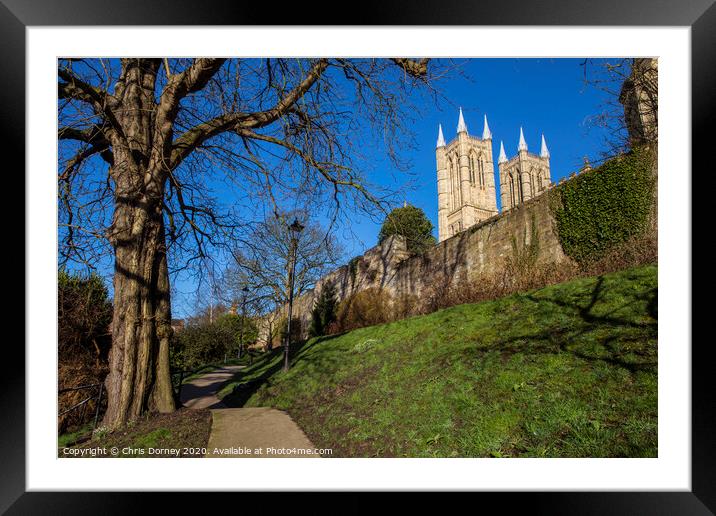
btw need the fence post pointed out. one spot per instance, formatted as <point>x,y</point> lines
<point>99,402</point>
<point>82,415</point>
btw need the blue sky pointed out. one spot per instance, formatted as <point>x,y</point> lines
<point>541,95</point>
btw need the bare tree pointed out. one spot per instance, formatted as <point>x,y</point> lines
<point>262,263</point>
<point>630,111</point>
<point>150,146</point>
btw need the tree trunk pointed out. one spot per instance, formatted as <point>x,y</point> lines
<point>139,378</point>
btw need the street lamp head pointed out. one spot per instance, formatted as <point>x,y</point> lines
<point>296,227</point>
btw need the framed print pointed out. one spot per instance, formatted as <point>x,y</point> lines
<point>421,249</point>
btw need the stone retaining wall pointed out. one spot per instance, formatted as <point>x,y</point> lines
<point>480,250</point>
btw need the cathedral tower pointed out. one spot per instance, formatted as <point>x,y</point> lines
<point>524,176</point>
<point>466,180</point>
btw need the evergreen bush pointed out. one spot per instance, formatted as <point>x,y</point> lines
<point>324,311</point>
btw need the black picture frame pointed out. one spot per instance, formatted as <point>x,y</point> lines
<point>700,15</point>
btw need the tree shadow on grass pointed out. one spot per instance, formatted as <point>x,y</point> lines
<point>590,336</point>
<point>244,390</point>
<point>586,312</point>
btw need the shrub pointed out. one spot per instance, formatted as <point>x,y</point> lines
<point>413,224</point>
<point>202,342</point>
<point>636,251</point>
<point>405,305</point>
<point>365,308</point>
<point>324,312</point>
<point>84,315</point>
<point>513,277</point>
<point>277,330</point>
<point>243,329</point>
<point>84,312</point>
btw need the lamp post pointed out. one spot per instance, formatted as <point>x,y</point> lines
<point>245,292</point>
<point>295,228</point>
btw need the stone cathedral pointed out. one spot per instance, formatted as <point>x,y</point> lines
<point>466,178</point>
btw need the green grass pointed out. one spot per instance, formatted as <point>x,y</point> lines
<point>569,370</point>
<point>71,438</point>
<point>153,439</point>
<point>184,430</point>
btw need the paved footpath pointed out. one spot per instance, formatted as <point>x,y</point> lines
<point>201,392</point>
<point>256,432</point>
<point>244,432</point>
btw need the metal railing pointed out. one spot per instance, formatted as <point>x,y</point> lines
<point>83,404</point>
<point>100,392</point>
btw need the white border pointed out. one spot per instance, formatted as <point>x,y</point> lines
<point>670,471</point>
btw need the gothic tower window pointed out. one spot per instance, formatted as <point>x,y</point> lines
<point>456,186</point>
<point>532,183</point>
<point>511,185</point>
<point>481,170</point>
<point>519,196</point>
<point>451,183</point>
<point>472,169</point>
<point>539,180</point>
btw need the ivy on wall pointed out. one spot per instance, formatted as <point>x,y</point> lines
<point>524,256</point>
<point>353,268</point>
<point>604,206</point>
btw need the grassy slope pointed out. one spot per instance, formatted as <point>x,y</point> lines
<point>564,371</point>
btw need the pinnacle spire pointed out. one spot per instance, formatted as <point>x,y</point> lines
<point>486,133</point>
<point>523,143</point>
<point>461,123</point>
<point>503,157</point>
<point>544,152</point>
<point>441,139</point>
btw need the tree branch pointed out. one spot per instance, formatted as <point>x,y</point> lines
<point>82,155</point>
<point>321,167</point>
<point>416,69</point>
<point>194,137</point>
<point>263,118</point>
<point>193,79</point>
<point>93,135</point>
<point>198,74</point>
<point>77,89</point>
